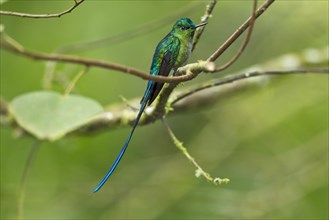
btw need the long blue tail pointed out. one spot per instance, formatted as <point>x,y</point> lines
<point>117,160</point>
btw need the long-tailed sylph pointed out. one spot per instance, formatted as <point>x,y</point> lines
<point>171,53</point>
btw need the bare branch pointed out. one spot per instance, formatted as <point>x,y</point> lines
<point>239,31</point>
<point>238,77</point>
<point>75,60</point>
<point>245,43</point>
<point>56,15</point>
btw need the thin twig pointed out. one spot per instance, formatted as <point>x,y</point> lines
<point>56,15</point>
<point>245,43</point>
<point>22,187</point>
<point>204,19</point>
<point>239,31</point>
<point>199,171</point>
<point>234,78</point>
<point>74,59</point>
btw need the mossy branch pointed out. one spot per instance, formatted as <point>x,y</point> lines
<point>199,170</point>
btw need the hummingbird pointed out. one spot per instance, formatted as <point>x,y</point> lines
<point>171,53</point>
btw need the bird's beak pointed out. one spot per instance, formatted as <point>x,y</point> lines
<point>200,25</point>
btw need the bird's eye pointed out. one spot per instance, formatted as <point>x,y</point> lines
<point>183,28</point>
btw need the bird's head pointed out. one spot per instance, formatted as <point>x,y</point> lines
<point>185,28</point>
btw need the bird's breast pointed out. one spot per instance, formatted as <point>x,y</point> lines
<point>184,53</point>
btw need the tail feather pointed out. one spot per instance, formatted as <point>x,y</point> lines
<point>117,160</point>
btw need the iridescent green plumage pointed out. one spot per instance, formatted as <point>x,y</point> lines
<point>171,53</point>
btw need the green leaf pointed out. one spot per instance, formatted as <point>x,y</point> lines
<point>50,115</point>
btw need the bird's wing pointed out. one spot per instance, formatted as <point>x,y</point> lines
<point>167,52</point>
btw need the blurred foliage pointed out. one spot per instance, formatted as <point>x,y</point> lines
<point>67,113</point>
<point>272,142</point>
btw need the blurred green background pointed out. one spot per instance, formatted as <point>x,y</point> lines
<point>272,142</point>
